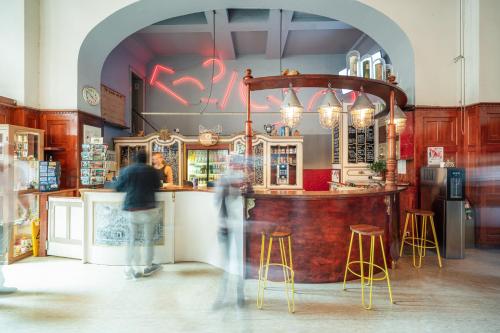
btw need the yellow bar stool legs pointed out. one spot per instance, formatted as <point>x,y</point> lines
<point>286,265</point>
<point>373,232</point>
<point>419,240</point>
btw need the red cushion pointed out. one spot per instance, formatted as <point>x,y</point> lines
<point>316,179</point>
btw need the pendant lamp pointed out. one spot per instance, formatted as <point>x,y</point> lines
<point>362,111</point>
<point>291,109</point>
<point>330,109</point>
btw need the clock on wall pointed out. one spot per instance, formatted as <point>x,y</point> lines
<point>90,95</point>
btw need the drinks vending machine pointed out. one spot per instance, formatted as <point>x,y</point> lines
<point>282,174</point>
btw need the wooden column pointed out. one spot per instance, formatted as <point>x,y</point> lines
<point>391,145</point>
<point>248,137</point>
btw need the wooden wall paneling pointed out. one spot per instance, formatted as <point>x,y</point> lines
<point>437,127</point>
<point>487,182</point>
<point>5,113</point>
<point>25,116</point>
<point>61,137</point>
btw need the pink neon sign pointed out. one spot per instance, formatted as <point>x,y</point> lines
<point>219,75</point>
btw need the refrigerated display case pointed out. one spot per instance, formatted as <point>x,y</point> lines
<point>207,165</point>
<point>283,165</point>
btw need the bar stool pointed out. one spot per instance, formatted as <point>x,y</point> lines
<point>372,231</point>
<point>286,264</point>
<point>420,241</point>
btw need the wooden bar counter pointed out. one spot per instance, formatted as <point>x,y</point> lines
<point>319,222</point>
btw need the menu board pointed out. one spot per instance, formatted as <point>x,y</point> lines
<point>336,144</point>
<point>49,174</point>
<point>351,144</point>
<point>361,144</point>
<point>112,105</point>
<point>370,144</point>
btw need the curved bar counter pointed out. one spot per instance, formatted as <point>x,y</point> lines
<point>319,222</point>
<point>188,229</point>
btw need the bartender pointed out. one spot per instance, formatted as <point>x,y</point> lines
<point>164,170</point>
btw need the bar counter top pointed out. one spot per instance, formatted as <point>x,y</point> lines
<point>313,195</point>
<point>292,194</point>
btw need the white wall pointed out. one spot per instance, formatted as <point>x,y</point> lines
<point>63,27</point>
<point>32,53</point>
<point>489,42</point>
<point>431,26</point>
<point>12,53</point>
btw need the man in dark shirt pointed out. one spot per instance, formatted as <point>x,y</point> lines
<point>140,182</point>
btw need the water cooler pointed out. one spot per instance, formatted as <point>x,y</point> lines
<point>442,190</point>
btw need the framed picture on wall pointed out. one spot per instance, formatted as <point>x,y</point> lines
<point>435,155</point>
<point>336,175</point>
<point>90,132</point>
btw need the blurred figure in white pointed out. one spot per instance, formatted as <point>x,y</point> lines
<point>230,231</point>
<point>8,202</point>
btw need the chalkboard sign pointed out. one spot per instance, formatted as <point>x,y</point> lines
<point>370,144</point>
<point>361,145</point>
<point>336,144</point>
<point>351,144</point>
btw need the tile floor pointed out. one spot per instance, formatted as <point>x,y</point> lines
<point>62,295</point>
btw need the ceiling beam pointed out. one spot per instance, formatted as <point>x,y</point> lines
<point>273,33</point>
<point>358,41</point>
<point>223,40</point>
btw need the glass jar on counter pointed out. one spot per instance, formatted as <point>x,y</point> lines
<point>352,63</point>
<point>366,66</point>
<point>379,70</point>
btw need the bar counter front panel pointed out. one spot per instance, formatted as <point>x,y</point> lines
<point>319,221</point>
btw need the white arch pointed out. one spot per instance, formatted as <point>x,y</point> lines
<point>106,35</point>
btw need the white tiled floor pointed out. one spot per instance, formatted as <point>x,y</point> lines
<point>62,295</point>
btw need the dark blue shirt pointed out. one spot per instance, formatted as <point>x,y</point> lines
<point>140,181</point>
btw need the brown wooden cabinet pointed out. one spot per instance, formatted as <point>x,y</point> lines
<point>64,136</point>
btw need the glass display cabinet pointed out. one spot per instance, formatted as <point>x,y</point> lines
<point>277,160</point>
<point>21,149</point>
<point>171,149</point>
<point>259,158</point>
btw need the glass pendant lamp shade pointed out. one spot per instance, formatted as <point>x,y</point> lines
<point>362,111</point>
<point>291,109</point>
<point>330,109</point>
<point>399,119</point>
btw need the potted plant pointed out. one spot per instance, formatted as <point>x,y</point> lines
<point>379,167</point>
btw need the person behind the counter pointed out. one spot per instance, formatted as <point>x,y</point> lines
<point>164,170</point>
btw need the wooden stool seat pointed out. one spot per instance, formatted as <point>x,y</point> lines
<point>366,230</point>
<point>278,232</point>
<point>367,279</point>
<point>283,235</point>
<point>416,236</point>
<point>421,212</point>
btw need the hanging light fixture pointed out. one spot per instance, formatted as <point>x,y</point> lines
<point>330,109</point>
<point>399,119</point>
<point>291,109</point>
<point>362,111</point>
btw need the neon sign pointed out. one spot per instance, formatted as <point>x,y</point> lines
<point>219,74</point>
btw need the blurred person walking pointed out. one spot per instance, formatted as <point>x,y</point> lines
<point>230,231</point>
<point>140,182</point>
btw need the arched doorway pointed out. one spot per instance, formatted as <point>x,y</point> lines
<point>116,27</point>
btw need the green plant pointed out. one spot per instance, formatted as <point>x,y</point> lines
<point>378,166</point>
